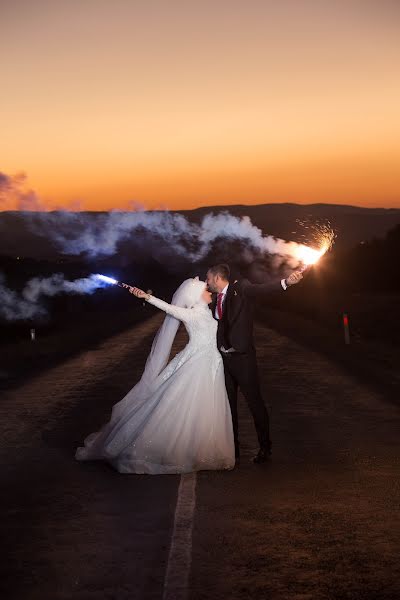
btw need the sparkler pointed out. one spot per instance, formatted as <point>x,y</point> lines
<point>324,237</point>
<point>114,281</point>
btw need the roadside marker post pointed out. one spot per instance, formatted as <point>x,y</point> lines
<point>346,329</point>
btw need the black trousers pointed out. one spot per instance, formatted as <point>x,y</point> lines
<point>241,372</point>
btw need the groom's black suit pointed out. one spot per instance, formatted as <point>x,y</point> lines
<point>235,331</point>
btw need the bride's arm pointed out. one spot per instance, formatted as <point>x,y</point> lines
<point>183,314</point>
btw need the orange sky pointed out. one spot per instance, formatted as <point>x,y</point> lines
<point>182,104</point>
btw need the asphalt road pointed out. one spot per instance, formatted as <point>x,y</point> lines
<point>319,521</point>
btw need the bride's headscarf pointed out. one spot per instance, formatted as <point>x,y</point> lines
<point>187,295</point>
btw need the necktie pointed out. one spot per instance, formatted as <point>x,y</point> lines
<point>219,304</point>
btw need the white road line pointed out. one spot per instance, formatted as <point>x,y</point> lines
<point>180,553</point>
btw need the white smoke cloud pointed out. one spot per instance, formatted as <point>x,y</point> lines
<point>16,195</point>
<point>26,304</point>
<point>98,235</point>
<point>13,307</point>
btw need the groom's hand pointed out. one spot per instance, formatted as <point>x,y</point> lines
<point>294,278</point>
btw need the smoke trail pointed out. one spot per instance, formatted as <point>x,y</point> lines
<point>99,235</point>
<point>14,308</point>
<point>56,284</point>
<point>26,305</point>
<point>227,226</point>
<point>95,235</point>
<point>15,195</point>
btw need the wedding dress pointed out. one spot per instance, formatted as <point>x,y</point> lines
<point>177,419</point>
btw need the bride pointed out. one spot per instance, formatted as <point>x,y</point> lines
<point>177,417</point>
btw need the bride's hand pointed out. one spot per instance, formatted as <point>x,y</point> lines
<point>138,293</point>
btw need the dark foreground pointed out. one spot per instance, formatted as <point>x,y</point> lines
<point>320,521</point>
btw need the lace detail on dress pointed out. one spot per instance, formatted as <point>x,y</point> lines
<point>202,331</point>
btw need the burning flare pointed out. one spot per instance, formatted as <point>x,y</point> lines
<point>309,256</point>
<point>107,279</point>
<point>324,237</point>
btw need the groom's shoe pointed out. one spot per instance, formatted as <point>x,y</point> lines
<point>263,455</point>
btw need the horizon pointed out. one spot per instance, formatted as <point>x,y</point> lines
<point>210,207</point>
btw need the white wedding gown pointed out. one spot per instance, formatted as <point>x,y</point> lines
<point>184,423</point>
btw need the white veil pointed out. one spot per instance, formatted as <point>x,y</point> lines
<point>187,295</point>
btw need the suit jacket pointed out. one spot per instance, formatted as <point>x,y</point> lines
<point>235,329</point>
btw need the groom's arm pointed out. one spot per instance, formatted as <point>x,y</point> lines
<point>253,290</point>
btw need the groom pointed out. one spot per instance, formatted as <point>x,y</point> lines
<point>232,307</point>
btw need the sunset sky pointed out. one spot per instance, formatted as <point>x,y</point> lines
<point>189,103</point>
